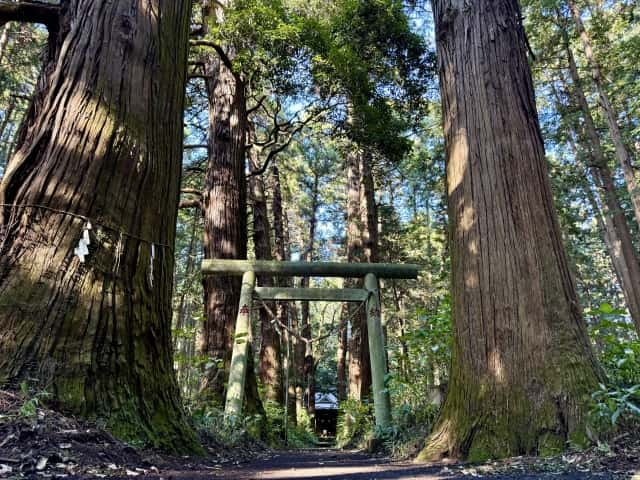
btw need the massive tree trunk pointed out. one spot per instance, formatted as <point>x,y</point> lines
<point>621,249</point>
<point>101,146</point>
<point>270,368</point>
<point>522,368</point>
<point>622,153</point>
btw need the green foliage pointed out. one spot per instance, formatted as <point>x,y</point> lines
<point>616,405</point>
<point>617,345</point>
<point>366,52</point>
<point>298,435</point>
<point>20,63</point>
<point>412,424</point>
<point>264,38</point>
<point>356,423</point>
<point>31,401</point>
<point>233,432</point>
<point>301,436</point>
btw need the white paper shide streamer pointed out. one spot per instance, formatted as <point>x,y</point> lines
<point>82,250</point>
<point>153,256</point>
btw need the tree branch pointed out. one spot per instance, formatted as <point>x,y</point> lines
<point>30,12</point>
<point>219,50</point>
<point>191,191</point>
<point>191,203</point>
<point>257,105</point>
<point>290,136</point>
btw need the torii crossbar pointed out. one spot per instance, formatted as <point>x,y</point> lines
<point>370,294</point>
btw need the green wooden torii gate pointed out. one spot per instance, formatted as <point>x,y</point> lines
<point>370,294</point>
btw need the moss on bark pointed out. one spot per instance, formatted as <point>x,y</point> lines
<point>104,145</point>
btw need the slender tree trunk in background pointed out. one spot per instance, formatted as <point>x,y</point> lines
<point>369,222</point>
<point>4,41</point>
<point>362,238</point>
<point>404,351</point>
<point>270,368</point>
<point>7,117</point>
<point>308,372</point>
<point>355,253</point>
<point>282,308</point>
<point>6,121</point>
<point>622,153</point>
<point>341,371</point>
<point>252,402</point>
<point>594,194</point>
<point>522,367</point>
<point>183,342</point>
<point>606,227</point>
<point>622,251</point>
<point>369,211</point>
<point>296,358</point>
<point>104,144</point>
<point>179,339</point>
<point>225,218</point>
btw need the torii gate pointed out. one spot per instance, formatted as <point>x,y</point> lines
<point>369,294</point>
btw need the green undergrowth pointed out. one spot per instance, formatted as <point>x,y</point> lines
<point>298,434</point>
<point>616,403</point>
<point>241,431</point>
<point>402,439</point>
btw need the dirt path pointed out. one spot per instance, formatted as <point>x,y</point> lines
<point>330,464</point>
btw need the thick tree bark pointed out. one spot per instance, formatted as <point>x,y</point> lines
<point>622,152</point>
<point>104,145</point>
<point>270,368</point>
<point>522,369</point>
<point>621,249</point>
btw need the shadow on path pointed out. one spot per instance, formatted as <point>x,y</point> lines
<point>330,464</point>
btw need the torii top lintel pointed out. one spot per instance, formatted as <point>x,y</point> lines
<point>309,269</point>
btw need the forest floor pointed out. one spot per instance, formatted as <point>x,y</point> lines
<point>38,443</point>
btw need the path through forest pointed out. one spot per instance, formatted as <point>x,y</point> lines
<point>330,464</point>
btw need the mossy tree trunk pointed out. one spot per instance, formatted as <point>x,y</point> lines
<point>101,142</point>
<point>522,369</point>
